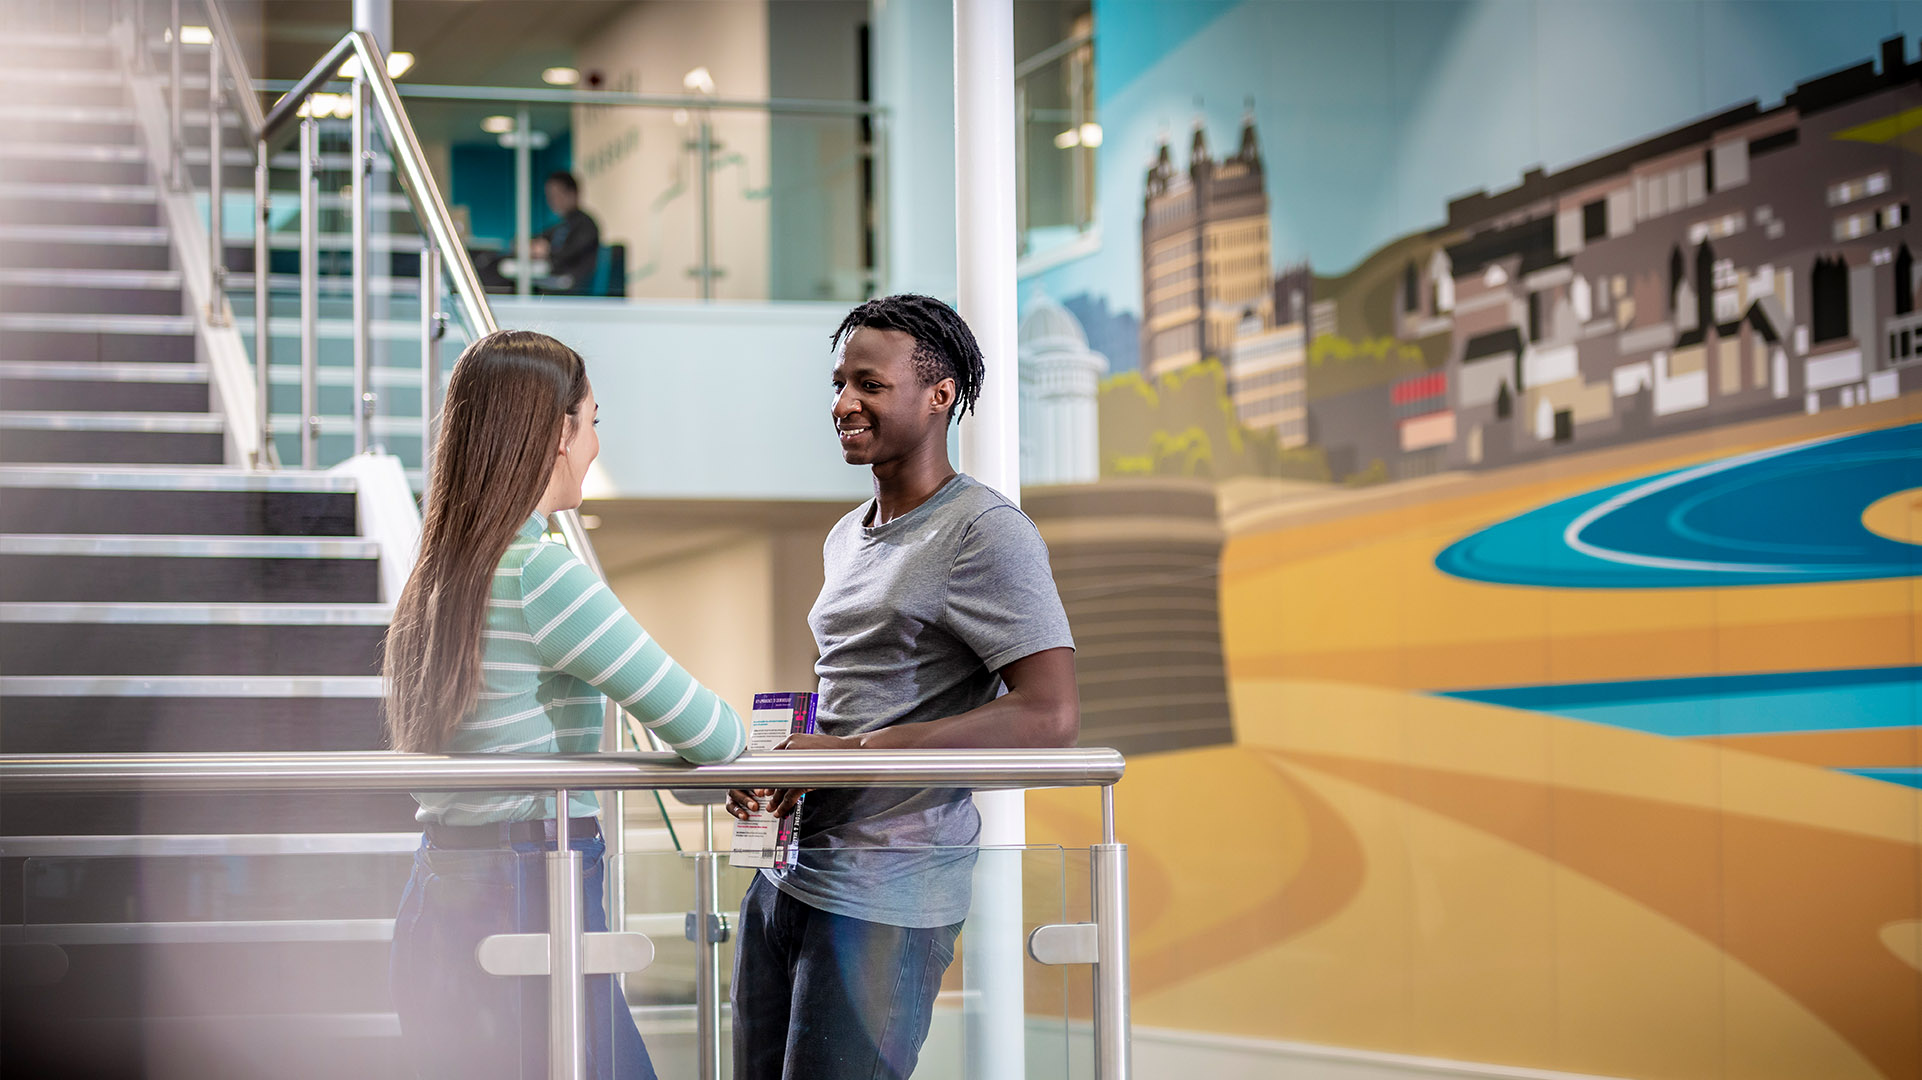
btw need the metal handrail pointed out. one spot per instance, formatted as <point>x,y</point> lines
<point>562,952</point>
<point>417,177</point>
<point>385,771</point>
<point>224,40</point>
<point>531,95</point>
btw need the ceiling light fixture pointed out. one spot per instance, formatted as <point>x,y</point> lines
<point>698,81</point>
<point>561,76</point>
<point>196,35</point>
<point>398,64</point>
<point>1091,134</point>
<point>497,125</point>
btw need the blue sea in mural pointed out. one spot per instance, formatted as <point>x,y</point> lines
<point>1765,704</point>
<point>1789,515</point>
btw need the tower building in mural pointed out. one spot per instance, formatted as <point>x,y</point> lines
<point>1209,290</point>
<point>1205,262</point>
<point>1060,381</point>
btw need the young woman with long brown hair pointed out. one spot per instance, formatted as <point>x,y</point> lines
<point>503,642</point>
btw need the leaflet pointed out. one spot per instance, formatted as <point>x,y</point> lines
<point>761,840</point>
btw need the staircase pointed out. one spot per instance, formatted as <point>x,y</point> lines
<point>155,597</point>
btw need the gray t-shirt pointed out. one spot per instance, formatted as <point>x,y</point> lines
<point>914,622</point>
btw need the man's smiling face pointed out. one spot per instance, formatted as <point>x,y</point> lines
<point>883,411</point>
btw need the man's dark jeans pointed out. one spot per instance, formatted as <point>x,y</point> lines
<point>818,995</point>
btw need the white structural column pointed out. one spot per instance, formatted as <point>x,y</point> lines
<point>991,453</point>
<point>377,18</point>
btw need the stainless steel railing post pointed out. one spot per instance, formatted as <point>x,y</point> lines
<point>142,48</point>
<point>362,164</point>
<point>1113,1056</point>
<point>176,167</point>
<point>429,355</point>
<point>704,164</point>
<point>878,210</point>
<point>566,1014</point>
<point>309,294</point>
<point>523,203</point>
<point>707,956</point>
<point>263,303</point>
<point>216,219</point>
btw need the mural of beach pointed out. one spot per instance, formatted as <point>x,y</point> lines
<point>1552,368</point>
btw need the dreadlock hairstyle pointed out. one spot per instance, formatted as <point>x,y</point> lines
<point>944,347</point>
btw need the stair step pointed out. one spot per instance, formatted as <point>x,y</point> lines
<point>200,932</point>
<point>77,162</point>
<point>39,121</point>
<point>49,714</point>
<point>51,202</point>
<point>297,1046</point>
<point>187,980</point>
<point>113,339</point>
<point>155,846</point>
<point>205,501</point>
<point>35,53</point>
<point>70,278</point>
<point>28,385</point>
<point>192,638</point>
<point>126,247</point>
<point>52,567</point>
<point>228,812</point>
<point>64,290</point>
<point>147,545</point>
<point>190,438</point>
<point>211,614</point>
<point>74,86</point>
<point>186,724</point>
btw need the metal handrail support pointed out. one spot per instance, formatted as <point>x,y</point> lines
<point>176,166</point>
<point>567,951</point>
<point>216,197</point>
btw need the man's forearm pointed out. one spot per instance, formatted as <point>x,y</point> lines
<point>1008,722</point>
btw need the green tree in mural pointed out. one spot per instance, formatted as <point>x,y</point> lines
<point>1183,424</point>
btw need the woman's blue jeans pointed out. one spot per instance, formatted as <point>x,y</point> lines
<point>456,1020</point>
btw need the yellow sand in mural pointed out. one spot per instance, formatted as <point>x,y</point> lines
<point>1520,889</point>
<point>1897,516</point>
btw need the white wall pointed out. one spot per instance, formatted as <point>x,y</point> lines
<point>705,401</point>
<point>637,175</point>
<point>713,610</point>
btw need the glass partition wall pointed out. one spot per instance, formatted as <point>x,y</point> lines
<point>695,198</point>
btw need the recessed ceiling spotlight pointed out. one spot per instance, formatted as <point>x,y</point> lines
<point>398,64</point>
<point>497,125</point>
<point>561,76</point>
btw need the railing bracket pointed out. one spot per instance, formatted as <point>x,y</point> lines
<point>716,927</point>
<point>1064,943</point>
<point>603,953</point>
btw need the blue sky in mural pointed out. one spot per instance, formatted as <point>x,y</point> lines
<point>1372,114</point>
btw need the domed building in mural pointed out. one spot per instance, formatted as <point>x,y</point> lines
<point>1060,380</point>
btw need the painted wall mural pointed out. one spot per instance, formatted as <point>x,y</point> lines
<point>1554,372</point>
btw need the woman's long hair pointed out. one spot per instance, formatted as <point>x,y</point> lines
<point>512,398</point>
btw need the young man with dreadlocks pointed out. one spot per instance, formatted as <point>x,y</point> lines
<point>937,596</point>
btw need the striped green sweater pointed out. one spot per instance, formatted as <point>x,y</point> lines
<point>556,640</point>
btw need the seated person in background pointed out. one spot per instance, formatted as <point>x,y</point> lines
<point>571,245</point>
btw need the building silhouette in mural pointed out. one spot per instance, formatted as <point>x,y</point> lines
<point>1060,385</point>
<point>1750,263</point>
<point>1209,290</point>
<point>1754,262</point>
